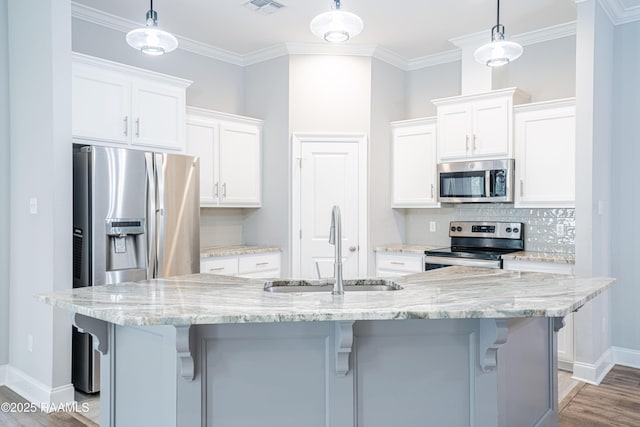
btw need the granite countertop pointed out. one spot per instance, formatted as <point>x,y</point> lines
<point>407,249</point>
<point>541,257</point>
<point>454,292</point>
<point>218,251</point>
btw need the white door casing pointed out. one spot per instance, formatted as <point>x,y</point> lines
<point>328,170</point>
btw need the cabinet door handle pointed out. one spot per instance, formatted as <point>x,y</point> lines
<point>466,143</point>
<point>261,263</point>
<point>215,189</point>
<point>138,127</point>
<point>396,263</point>
<point>432,191</point>
<point>125,119</point>
<point>216,269</point>
<point>224,190</point>
<point>521,188</point>
<point>473,143</point>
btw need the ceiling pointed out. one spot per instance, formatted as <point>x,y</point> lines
<point>409,28</point>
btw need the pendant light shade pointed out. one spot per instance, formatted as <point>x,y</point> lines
<point>150,39</point>
<point>336,26</point>
<point>500,51</point>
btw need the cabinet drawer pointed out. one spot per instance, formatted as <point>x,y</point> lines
<point>400,263</point>
<point>227,266</point>
<point>259,262</point>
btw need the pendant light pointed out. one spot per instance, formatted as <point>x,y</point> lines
<point>336,26</point>
<point>499,52</point>
<point>150,39</point>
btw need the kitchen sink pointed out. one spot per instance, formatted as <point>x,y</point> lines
<point>355,285</point>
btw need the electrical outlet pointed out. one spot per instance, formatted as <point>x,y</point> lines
<point>30,343</point>
<point>33,205</point>
<point>432,226</point>
<point>560,230</point>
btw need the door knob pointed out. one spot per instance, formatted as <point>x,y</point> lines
<point>352,248</point>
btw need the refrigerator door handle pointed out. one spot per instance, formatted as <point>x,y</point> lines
<point>160,227</point>
<point>152,206</point>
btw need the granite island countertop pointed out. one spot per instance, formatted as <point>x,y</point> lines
<point>407,248</point>
<point>454,292</point>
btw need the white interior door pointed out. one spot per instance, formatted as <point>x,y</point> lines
<point>330,173</point>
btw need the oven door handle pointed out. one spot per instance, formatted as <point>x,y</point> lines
<point>465,262</point>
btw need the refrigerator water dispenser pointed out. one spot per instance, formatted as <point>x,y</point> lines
<point>126,244</point>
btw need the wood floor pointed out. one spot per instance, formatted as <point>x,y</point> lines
<point>38,419</point>
<point>614,403</point>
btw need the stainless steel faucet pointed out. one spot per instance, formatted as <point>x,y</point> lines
<point>335,238</point>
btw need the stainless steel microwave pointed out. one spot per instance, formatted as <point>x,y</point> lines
<point>483,181</point>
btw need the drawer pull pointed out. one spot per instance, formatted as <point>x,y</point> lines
<point>216,269</point>
<point>261,263</point>
<point>396,263</point>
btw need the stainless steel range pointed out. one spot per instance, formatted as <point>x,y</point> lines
<point>477,244</point>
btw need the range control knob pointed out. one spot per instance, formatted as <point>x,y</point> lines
<point>515,230</point>
<point>459,229</point>
<point>453,229</point>
<point>508,230</point>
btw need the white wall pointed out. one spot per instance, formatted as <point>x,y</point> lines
<point>329,93</point>
<point>545,70</point>
<point>425,84</point>
<point>386,225</point>
<point>4,186</point>
<point>594,84</point>
<point>217,85</point>
<point>625,192</point>
<point>267,97</point>
<point>40,103</point>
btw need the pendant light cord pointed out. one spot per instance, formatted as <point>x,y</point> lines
<point>498,18</point>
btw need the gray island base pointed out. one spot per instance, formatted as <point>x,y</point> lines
<point>455,347</point>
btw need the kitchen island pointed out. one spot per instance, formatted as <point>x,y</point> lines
<point>457,346</point>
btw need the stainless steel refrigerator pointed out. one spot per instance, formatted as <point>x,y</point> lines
<point>136,216</point>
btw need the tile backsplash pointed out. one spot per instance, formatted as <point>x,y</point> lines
<point>546,230</point>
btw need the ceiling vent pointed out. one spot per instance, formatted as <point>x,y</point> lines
<point>264,7</point>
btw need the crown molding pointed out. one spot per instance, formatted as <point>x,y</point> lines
<point>117,23</point>
<point>452,55</point>
<point>546,34</point>
<point>617,11</point>
<point>98,17</point>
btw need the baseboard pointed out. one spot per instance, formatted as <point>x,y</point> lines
<point>626,357</point>
<point>3,374</point>
<point>594,373</point>
<point>35,391</point>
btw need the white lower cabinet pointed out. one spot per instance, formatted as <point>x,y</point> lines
<point>227,266</point>
<point>230,151</point>
<point>565,335</point>
<point>393,264</point>
<point>259,266</point>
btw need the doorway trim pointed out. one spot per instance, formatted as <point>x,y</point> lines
<point>297,139</point>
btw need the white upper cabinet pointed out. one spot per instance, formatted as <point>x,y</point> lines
<point>545,138</point>
<point>230,151</point>
<point>414,163</point>
<point>477,126</point>
<point>117,104</point>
